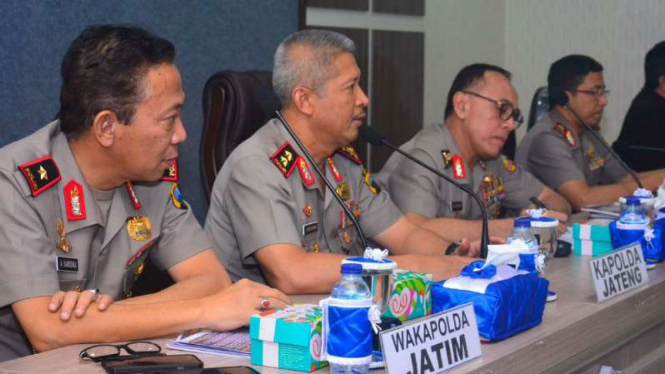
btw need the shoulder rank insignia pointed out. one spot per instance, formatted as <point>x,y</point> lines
<point>285,159</point>
<point>447,157</point>
<point>567,134</point>
<point>41,174</point>
<point>176,197</point>
<point>305,173</point>
<point>350,153</point>
<point>74,201</point>
<point>171,174</point>
<point>508,164</point>
<point>458,167</point>
<point>367,178</point>
<point>333,168</point>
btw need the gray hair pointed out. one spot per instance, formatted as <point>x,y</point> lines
<point>313,67</point>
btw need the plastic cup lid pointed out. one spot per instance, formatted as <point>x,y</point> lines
<point>370,264</point>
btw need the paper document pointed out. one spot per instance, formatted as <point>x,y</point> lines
<point>231,343</point>
<point>610,211</point>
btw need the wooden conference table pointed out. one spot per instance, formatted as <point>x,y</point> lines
<point>577,334</point>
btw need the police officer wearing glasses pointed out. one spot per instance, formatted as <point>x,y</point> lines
<point>560,151</point>
<point>481,111</point>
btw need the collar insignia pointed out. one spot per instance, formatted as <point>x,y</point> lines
<point>74,201</point>
<point>458,167</point>
<point>343,191</point>
<point>285,159</point>
<point>171,174</point>
<point>333,168</point>
<point>41,174</point>
<point>62,234</point>
<point>447,157</point>
<point>305,173</point>
<point>132,195</point>
<point>350,153</point>
<point>307,210</point>
<point>508,164</point>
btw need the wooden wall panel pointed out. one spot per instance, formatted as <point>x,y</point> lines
<point>397,88</point>
<point>407,7</point>
<point>340,4</point>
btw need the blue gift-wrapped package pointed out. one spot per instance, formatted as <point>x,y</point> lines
<point>506,302</point>
<point>651,240</point>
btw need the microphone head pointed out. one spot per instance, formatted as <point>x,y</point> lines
<point>267,100</point>
<point>371,136</point>
<point>557,96</point>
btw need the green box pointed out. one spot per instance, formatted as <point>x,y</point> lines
<point>288,338</point>
<point>592,232</point>
<point>593,248</point>
<point>411,297</point>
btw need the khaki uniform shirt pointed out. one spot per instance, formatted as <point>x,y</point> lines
<point>101,254</point>
<point>258,202</point>
<point>417,190</point>
<point>555,154</point>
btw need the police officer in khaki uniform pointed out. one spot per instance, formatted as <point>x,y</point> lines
<point>481,112</point>
<point>266,183</point>
<point>84,206</point>
<point>559,150</point>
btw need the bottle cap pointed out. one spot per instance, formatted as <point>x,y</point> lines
<point>522,222</point>
<point>352,269</point>
<point>632,200</point>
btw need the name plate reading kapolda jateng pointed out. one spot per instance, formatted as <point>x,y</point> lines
<point>432,344</point>
<point>618,272</point>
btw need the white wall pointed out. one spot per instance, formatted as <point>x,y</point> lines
<point>617,33</point>
<point>458,33</point>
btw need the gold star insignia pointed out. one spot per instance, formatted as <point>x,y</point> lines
<point>43,175</point>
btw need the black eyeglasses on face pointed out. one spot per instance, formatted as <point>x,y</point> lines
<point>597,92</point>
<point>506,110</point>
<point>111,352</point>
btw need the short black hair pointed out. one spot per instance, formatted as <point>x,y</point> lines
<point>654,66</point>
<point>104,69</point>
<point>567,73</point>
<point>466,78</point>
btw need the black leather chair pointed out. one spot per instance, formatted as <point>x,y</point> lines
<point>540,103</point>
<point>230,116</point>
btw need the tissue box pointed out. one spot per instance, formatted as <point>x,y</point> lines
<point>508,303</point>
<point>591,239</point>
<point>288,338</point>
<point>410,298</point>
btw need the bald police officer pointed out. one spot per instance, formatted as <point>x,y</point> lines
<point>270,215</point>
<point>84,206</point>
<point>560,151</point>
<point>481,111</point>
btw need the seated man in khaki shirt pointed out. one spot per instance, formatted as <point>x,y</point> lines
<point>481,112</point>
<point>83,206</point>
<point>270,215</point>
<point>560,151</point>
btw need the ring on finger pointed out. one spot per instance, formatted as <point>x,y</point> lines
<point>95,293</point>
<point>265,303</point>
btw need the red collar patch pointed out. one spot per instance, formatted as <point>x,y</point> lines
<point>350,153</point>
<point>74,201</point>
<point>285,159</point>
<point>41,174</point>
<point>333,168</point>
<point>305,173</point>
<point>132,195</point>
<point>458,167</point>
<point>171,174</point>
<point>567,134</point>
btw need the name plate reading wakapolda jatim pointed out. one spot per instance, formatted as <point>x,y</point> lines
<point>618,272</point>
<point>432,344</point>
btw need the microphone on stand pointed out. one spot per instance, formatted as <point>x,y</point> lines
<point>268,101</point>
<point>559,97</point>
<point>374,137</point>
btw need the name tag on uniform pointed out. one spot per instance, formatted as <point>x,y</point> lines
<point>310,228</point>
<point>456,206</point>
<point>67,264</point>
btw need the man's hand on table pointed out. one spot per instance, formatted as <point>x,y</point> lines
<point>78,302</point>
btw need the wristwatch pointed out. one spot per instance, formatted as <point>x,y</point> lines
<point>452,248</point>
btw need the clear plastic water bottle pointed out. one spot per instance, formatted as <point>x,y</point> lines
<point>522,231</point>
<point>632,211</point>
<point>351,286</point>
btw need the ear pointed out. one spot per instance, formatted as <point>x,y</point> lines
<point>461,105</point>
<point>302,100</point>
<point>104,126</point>
<point>661,82</point>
